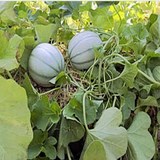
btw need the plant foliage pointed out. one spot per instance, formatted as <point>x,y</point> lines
<point>108,112</point>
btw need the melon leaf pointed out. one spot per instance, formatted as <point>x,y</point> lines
<point>45,112</point>
<point>10,51</point>
<point>44,32</point>
<point>15,127</point>
<point>109,134</point>
<point>92,152</point>
<point>141,144</point>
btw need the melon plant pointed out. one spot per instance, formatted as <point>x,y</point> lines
<point>156,73</point>
<point>45,62</point>
<point>81,49</point>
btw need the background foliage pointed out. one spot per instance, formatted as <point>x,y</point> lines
<point>112,106</point>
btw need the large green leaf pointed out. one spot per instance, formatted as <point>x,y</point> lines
<point>135,37</point>
<point>11,51</point>
<point>36,145</point>
<point>15,127</point>
<point>8,16</point>
<point>108,132</point>
<point>44,32</point>
<point>70,131</point>
<point>149,101</point>
<point>45,113</point>
<point>5,5</point>
<point>141,144</point>
<point>32,93</point>
<point>102,18</point>
<point>74,109</point>
<point>42,143</point>
<point>94,150</point>
<point>49,149</point>
<point>155,30</point>
<point>129,73</point>
<point>128,104</point>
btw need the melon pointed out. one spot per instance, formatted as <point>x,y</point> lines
<point>45,62</point>
<point>81,49</point>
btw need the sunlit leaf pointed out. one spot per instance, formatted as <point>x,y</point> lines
<point>5,5</point>
<point>15,127</point>
<point>108,132</point>
<point>101,18</point>
<point>11,51</point>
<point>44,32</point>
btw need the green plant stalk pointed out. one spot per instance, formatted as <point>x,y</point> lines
<point>73,81</point>
<point>104,76</point>
<point>150,73</point>
<point>84,110</point>
<point>120,19</point>
<point>68,153</point>
<point>101,31</point>
<point>114,101</point>
<point>99,76</point>
<point>50,127</point>
<point>47,92</point>
<point>106,42</point>
<point>113,79</point>
<point>99,98</point>
<point>90,70</point>
<point>115,54</point>
<point>155,142</point>
<point>145,75</point>
<point>107,103</point>
<point>149,78</point>
<point>9,74</point>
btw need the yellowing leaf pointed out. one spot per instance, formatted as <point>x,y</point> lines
<point>94,150</point>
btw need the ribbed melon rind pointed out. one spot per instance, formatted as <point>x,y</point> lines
<point>81,49</point>
<point>45,62</point>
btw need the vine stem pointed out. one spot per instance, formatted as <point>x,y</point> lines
<point>156,144</point>
<point>114,101</point>
<point>141,72</point>
<point>84,110</point>
<point>115,54</point>
<point>90,69</point>
<point>113,79</point>
<point>99,76</point>
<point>9,74</point>
<point>120,19</point>
<point>68,153</point>
<point>76,84</point>
<point>106,42</point>
<point>150,79</point>
<point>47,92</point>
